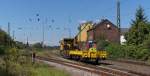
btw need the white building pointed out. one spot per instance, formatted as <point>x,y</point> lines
<point>122,40</point>
<point>122,37</point>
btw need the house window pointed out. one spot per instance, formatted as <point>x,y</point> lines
<point>108,26</point>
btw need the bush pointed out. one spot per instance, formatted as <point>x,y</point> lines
<point>143,54</point>
<point>16,63</point>
<point>37,45</point>
<point>128,51</point>
<point>115,51</point>
<point>2,50</point>
<point>102,44</point>
<point>146,50</point>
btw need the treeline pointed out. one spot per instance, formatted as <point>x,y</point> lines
<point>137,44</point>
<point>39,47</point>
<point>16,59</point>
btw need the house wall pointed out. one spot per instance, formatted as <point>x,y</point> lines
<point>105,30</point>
<point>82,36</point>
<point>91,35</point>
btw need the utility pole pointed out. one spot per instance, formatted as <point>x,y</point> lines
<point>118,18</point>
<point>13,35</point>
<point>43,32</point>
<point>8,28</point>
<point>69,29</point>
<point>69,32</point>
<point>118,14</point>
<point>8,34</point>
<point>27,42</point>
<point>43,35</point>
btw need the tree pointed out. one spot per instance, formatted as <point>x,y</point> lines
<point>139,30</point>
<point>19,45</point>
<point>4,41</point>
<point>37,45</point>
<point>102,44</point>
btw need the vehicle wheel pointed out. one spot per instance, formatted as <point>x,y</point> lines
<point>70,56</point>
<point>97,61</point>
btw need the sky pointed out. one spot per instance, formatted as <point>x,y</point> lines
<point>28,17</point>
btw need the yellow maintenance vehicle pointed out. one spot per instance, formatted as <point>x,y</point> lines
<point>69,50</point>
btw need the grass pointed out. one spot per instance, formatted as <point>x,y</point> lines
<point>45,70</point>
<point>37,69</point>
<point>3,73</point>
<point>49,72</point>
<point>42,53</point>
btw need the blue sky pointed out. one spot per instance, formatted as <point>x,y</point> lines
<point>57,15</point>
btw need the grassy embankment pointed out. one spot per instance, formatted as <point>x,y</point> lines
<point>23,66</point>
<point>40,69</point>
<point>46,70</point>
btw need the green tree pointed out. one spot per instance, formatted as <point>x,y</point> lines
<point>4,41</point>
<point>146,46</point>
<point>37,45</point>
<point>139,28</point>
<point>19,45</point>
<point>4,38</point>
<point>102,44</point>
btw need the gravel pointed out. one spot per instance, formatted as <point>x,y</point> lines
<point>128,66</point>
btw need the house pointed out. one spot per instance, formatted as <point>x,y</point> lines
<point>82,36</point>
<point>122,35</point>
<point>83,28</point>
<point>104,30</point>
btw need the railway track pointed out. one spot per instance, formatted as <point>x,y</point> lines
<point>102,71</point>
<point>132,62</point>
<point>138,68</point>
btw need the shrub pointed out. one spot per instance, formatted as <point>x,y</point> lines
<point>130,51</point>
<point>143,54</point>
<point>2,50</point>
<point>115,51</point>
<point>102,44</point>
<point>16,63</point>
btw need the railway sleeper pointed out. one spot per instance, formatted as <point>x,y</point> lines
<point>75,57</point>
<point>84,59</point>
<point>90,60</point>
